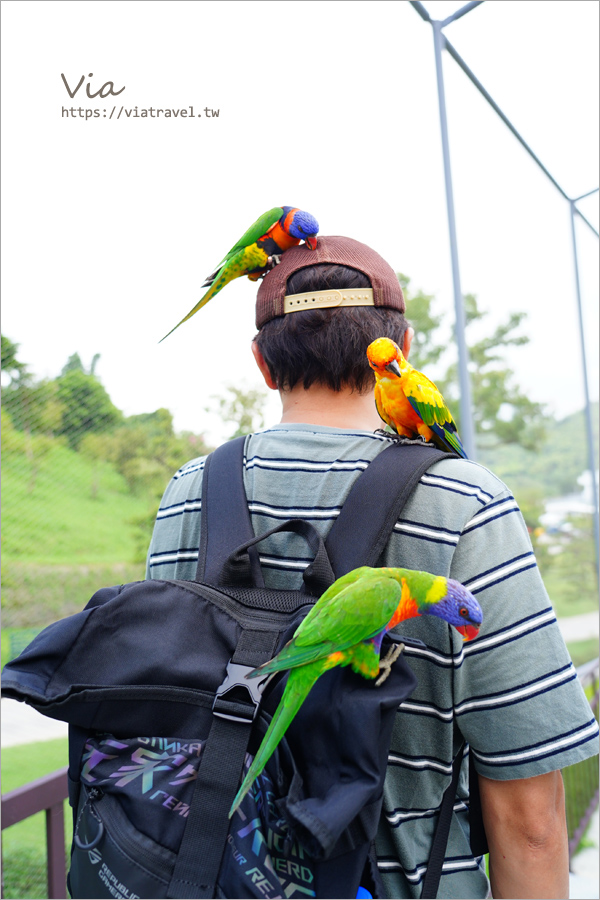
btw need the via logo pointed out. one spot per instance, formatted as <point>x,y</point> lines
<point>106,90</point>
<point>95,856</point>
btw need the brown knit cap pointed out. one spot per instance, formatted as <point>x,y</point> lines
<point>343,251</point>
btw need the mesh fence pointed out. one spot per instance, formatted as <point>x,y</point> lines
<point>82,483</point>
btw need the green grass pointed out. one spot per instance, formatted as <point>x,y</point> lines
<point>35,595</point>
<point>566,600</point>
<point>69,529</point>
<point>583,651</point>
<point>71,511</point>
<point>14,640</point>
<point>24,844</point>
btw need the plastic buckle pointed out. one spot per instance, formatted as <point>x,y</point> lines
<point>238,698</point>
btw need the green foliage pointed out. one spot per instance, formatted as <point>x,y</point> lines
<point>582,652</point>
<point>581,780</point>
<point>146,452</point>
<point>15,370</point>
<point>14,641</point>
<point>502,412</point>
<point>86,406</point>
<point>558,462</point>
<point>425,352</point>
<point>34,406</point>
<point>571,573</point>
<point>74,364</point>
<point>35,595</point>
<point>243,409</point>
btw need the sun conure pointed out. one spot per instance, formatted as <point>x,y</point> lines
<point>408,401</point>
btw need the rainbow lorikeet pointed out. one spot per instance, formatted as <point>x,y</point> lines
<point>258,249</point>
<point>408,401</point>
<point>346,626</point>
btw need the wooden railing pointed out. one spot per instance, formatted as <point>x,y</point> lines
<point>47,794</point>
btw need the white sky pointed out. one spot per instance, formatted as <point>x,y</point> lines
<point>110,226</point>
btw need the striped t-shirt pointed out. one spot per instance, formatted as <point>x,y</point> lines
<point>512,693</point>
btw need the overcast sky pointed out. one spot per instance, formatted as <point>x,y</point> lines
<point>111,224</point>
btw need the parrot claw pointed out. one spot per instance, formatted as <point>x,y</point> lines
<point>385,665</point>
<point>274,260</point>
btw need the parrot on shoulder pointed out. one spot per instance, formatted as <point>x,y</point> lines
<point>346,626</point>
<point>258,250</point>
<point>408,401</point>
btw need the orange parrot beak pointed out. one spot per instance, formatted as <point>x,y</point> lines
<point>468,631</point>
<point>311,242</point>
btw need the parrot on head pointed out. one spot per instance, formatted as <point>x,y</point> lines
<point>346,626</point>
<point>258,250</point>
<point>408,401</point>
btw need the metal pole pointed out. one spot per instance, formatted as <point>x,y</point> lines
<point>473,78</point>
<point>467,429</point>
<point>588,408</point>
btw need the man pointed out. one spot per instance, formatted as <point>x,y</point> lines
<point>512,693</point>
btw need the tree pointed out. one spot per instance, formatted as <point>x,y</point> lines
<point>31,412</point>
<point>502,412</point>
<point>74,364</point>
<point>146,451</point>
<point>243,409</point>
<point>14,370</point>
<point>86,406</point>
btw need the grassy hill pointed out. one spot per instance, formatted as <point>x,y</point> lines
<point>71,510</point>
<point>69,527</point>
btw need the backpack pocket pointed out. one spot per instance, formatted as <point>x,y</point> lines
<point>111,858</point>
<point>132,809</point>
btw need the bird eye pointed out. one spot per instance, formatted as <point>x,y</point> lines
<point>464,612</point>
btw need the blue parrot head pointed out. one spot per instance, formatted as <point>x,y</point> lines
<point>460,608</point>
<point>300,225</point>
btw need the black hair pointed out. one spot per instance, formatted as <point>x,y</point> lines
<point>327,346</point>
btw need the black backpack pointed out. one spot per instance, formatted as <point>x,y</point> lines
<point>166,660</point>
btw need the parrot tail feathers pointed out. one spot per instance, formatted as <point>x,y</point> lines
<point>451,439</point>
<point>207,296</point>
<point>293,698</point>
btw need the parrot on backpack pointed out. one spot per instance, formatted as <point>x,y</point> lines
<point>346,627</point>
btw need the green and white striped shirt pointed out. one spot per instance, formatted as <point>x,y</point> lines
<point>512,693</point>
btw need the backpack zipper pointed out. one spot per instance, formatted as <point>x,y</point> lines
<point>239,611</point>
<point>102,807</point>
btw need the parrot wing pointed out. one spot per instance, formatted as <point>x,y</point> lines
<point>256,231</point>
<point>428,402</point>
<point>357,612</point>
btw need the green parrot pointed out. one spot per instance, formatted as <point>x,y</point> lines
<point>346,626</point>
<point>259,248</point>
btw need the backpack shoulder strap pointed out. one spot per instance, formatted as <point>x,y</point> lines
<point>435,865</point>
<point>361,531</point>
<point>225,523</point>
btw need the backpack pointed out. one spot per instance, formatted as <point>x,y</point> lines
<point>166,660</point>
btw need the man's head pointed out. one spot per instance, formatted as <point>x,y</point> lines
<point>318,311</point>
